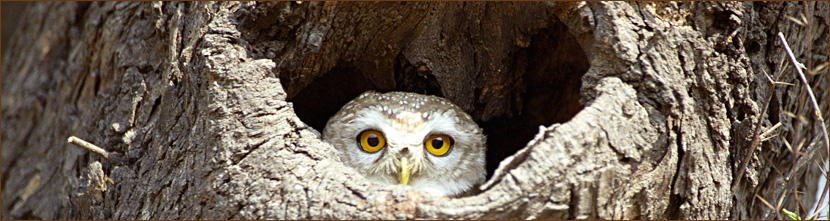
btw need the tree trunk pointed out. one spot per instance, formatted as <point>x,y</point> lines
<point>593,110</point>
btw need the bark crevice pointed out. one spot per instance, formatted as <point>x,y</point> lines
<point>593,110</point>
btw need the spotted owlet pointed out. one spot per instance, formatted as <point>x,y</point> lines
<point>422,141</point>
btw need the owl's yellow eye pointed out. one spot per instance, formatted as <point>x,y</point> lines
<point>371,141</point>
<point>438,144</point>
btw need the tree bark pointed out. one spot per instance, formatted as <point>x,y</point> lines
<point>593,110</point>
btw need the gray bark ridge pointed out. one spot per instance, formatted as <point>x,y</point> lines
<point>176,88</point>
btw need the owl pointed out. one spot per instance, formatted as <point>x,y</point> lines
<point>401,138</point>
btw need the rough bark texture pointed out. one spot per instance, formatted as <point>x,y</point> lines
<point>597,110</point>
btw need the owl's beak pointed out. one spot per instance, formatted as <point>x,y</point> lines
<point>404,170</point>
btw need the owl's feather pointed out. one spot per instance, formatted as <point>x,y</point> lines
<point>406,120</point>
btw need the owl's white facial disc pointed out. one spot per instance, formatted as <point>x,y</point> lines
<point>407,121</point>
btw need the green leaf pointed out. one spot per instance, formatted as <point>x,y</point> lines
<point>792,215</point>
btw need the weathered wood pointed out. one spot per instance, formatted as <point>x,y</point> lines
<point>593,110</point>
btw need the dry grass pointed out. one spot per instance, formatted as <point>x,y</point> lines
<point>803,158</point>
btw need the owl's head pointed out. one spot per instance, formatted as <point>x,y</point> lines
<point>422,141</point>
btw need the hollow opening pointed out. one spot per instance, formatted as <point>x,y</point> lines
<point>323,98</point>
<point>550,67</point>
<point>553,65</point>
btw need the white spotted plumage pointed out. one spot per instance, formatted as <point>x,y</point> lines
<point>406,120</point>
